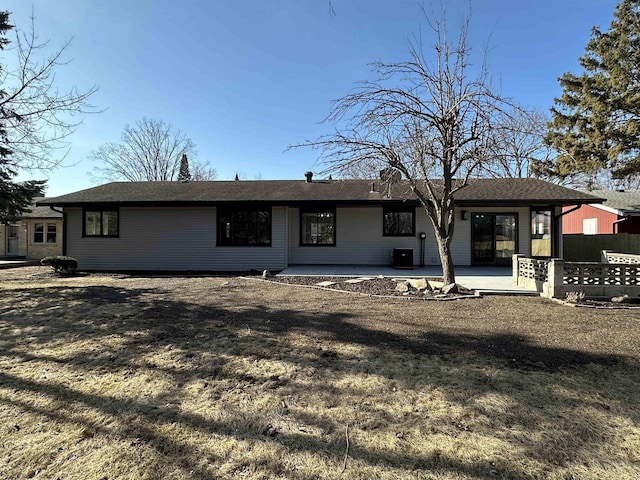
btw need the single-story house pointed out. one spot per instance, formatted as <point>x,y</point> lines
<point>619,213</point>
<point>244,225</point>
<point>37,234</point>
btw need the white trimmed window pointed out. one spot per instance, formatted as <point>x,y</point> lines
<point>590,226</point>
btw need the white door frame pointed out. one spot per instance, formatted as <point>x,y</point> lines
<point>12,241</point>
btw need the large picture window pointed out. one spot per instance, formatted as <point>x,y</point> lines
<point>318,227</point>
<point>100,222</point>
<point>44,233</point>
<point>244,226</point>
<point>399,221</point>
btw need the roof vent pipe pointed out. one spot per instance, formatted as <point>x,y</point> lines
<point>308,176</point>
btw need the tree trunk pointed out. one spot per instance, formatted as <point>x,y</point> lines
<point>444,248</point>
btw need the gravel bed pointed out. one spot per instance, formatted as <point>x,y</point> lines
<point>373,286</point>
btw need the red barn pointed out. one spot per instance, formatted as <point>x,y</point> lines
<point>620,213</point>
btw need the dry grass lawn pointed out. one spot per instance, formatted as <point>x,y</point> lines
<point>117,377</point>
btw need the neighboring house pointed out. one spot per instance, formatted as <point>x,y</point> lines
<point>243,225</point>
<point>37,234</point>
<point>619,213</point>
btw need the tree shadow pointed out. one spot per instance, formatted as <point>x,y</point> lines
<point>123,328</point>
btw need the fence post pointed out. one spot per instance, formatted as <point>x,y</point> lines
<point>516,266</point>
<point>555,286</point>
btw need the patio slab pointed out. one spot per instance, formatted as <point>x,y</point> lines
<point>17,263</point>
<point>487,280</point>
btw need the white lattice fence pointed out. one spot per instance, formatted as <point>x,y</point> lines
<point>555,277</point>
<point>578,273</point>
<point>530,273</point>
<point>613,257</point>
<point>533,269</point>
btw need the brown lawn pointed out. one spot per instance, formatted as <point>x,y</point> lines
<point>105,377</point>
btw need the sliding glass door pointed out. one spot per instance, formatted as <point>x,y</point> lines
<point>494,237</point>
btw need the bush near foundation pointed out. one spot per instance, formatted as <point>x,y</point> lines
<point>61,265</point>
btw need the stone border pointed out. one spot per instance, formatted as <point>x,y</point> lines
<point>371,295</point>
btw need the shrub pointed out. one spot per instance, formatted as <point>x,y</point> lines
<point>575,297</point>
<point>60,264</point>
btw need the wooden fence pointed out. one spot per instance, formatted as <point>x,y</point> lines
<point>587,248</point>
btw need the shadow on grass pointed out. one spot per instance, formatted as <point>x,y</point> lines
<point>206,336</point>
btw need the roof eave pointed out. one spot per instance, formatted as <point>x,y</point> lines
<point>538,202</point>
<point>213,203</point>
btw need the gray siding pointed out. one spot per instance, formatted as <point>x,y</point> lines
<point>172,239</point>
<point>359,239</point>
<point>185,239</point>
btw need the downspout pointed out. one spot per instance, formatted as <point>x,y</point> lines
<point>64,229</point>
<point>557,222</point>
<point>617,223</point>
<point>569,211</point>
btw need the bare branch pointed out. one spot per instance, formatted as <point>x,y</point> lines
<point>433,118</point>
<point>37,116</point>
<point>150,150</point>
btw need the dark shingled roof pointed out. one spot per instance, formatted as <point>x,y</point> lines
<point>41,212</point>
<point>478,192</point>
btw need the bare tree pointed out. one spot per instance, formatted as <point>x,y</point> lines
<point>37,116</point>
<point>517,147</point>
<point>151,150</point>
<point>430,118</point>
<point>203,172</point>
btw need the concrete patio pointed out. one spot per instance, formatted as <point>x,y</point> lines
<point>6,263</point>
<point>487,280</point>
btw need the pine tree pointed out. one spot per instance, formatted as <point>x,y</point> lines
<point>15,197</point>
<point>184,175</point>
<point>596,121</point>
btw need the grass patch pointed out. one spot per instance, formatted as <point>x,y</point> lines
<point>204,377</point>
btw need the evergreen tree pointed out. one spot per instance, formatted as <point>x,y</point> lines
<point>15,197</point>
<point>596,121</point>
<point>184,175</point>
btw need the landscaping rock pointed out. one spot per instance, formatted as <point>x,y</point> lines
<point>358,280</point>
<point>325,284</point>
<point>419,283</point>
<point>402,287</point>
<point>464,290</point>
<point>266,274</point>
<point>621,299</point>
<point>451,288</point>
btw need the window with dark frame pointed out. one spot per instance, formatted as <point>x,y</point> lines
<point>44,233</point>
<point>38,233</point>
<point>51,232</point>
<point>318,227</point>
<point>541,232</point>
<point>240,226</point>
<point>100,222</point>
<point>398,221</point>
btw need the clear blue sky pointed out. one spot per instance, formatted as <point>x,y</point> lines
<point>244,79</point>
